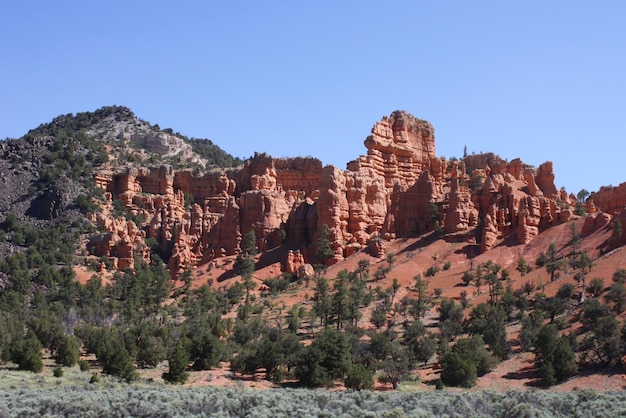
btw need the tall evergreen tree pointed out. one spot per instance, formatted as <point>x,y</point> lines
<point>553,264</point>
<point>617,229</point>
<point>340,302</point>
<point>324,251</point>
<point>322,300</point>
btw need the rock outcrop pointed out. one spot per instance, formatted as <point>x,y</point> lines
<point>154,180</point>
<point>295,260</point>
<point>596,221</point>
<point>510,202</point>
<point>608,199</point>
<point>399,149</point>
<point>461,215</point>
<point>545,180</point>
<point>166,145</point>
<point>399,189</point>
<point>120,242</point>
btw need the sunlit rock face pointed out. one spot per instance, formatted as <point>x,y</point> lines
<point>400,188</point>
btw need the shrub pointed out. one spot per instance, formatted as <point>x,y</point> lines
<point>468,277</point>
<point>325,360</point>
<point>522,266</point>
<point>206,350</point>
<point>542,260</point>
<point>32,361</point>
<point>215,401</point>
<point>593,310</point>
<point>473,349</point>
<point>579,209</point>
<point>431,271</point>
<point>455,371</point>
<point>57,371</point>
<point>450,319</point>
<point>531,325</point>
<point>359,377</point>
<point>566,291</point>
<point>27,355</point>
<point>555,357</point>
<point>528,287</point>
<point>276,284</point>
<point>617,295</point>
<point>178,363</point>
<point>85,204</point>
<point>84,365</point>
<point>115,359</point>
<point>68,352</point>
<point>596,286</point>
<point>379,316</point>
<point>619,276</point>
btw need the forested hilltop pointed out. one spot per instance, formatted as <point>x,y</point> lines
<point>136,252</point>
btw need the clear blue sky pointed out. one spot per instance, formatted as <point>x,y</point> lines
<point>539,80</point>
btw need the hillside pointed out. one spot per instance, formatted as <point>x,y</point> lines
<point>137,248</point>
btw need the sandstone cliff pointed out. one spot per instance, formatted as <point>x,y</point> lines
<point>399,148</point>
<point>609,199</point>
<point>399,189</point>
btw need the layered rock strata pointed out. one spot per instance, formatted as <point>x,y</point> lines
<point>608,199</point>
<point>399,189</point>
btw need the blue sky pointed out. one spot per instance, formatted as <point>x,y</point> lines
<point>538,80</point>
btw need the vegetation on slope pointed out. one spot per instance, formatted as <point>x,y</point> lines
<point>355,328</point>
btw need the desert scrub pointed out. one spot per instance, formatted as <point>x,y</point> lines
<point>159,401</point>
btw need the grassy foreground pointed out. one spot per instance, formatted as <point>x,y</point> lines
<point>35,395</point>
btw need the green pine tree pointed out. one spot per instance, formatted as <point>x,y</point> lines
<point>178,362</point>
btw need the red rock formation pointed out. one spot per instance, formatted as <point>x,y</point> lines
<point>609,199</point>
<point>221,234</point>
<point>298,174</point>
<point>490,229</point>
<point>529,218</point>
<point>306,272</point>
<point>266,212</point>
<point>367,200</point>
<point>377,247</point>
<point>596,221</point>
<point>409,212</point>
<point>480,161</point>
<point>202,186</point>
<point>156,180</point>
<point>461,215</point>
<point>590,206</point>
<point>511,202</point>
<point>120,242</point>
<point>398,189</point>
<point>399,149</point>
<point>295,260</point>
<point>517,169</point>
<point>532,188</point>
<point>333,209</point>
<point>302,222</point>
<point>545,180</point>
